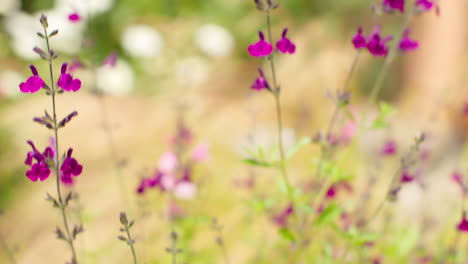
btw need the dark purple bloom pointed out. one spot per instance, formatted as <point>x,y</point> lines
<point>376,45</point>
<point>284,44</point>
<point>40,169</point>
<point>391,5</point>
<point>74,17</point>
<point>463,225</point>
<point>359,40</point>
<point>425,5</point>
<point>261,48</point>
<point>334,188</point>
<point>66,81</point>
<point>33,83</point>
<point>260,83</point>
<point>407,44</point>
<point>70,167</point>
<point>389,148</point>
<point>406,177</point>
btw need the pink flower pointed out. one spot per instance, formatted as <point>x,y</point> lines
<point>74,17</point>
<point>463,225</point>
<point>66,81</point>
<point>70,167</point>
<point>39,170</point>
<point>111,59</point>
<point>261,48</point>
<point>168,162</point>
<point>389,148</point>
<point>425,5</point>
<point>348,131</point>
<point>33,83</point>
<point>284,44</point>
<point>185,190</point>
<point>282,219</point>
<point>376,45</point>
<point>407,44</point>
<point>333,189</point>
<point>260,83</point>
<point>391,5</point>
<point>359,40</point>
<point>406,177</point>
<point>200,153</point>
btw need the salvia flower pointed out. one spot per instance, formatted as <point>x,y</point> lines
<point>284,44</point>
<point>33,83</point>
<point>261,48</point>
<point>260,83</point>
<point>463,225</point>
<point>359,40</point>
<point>389,148</point>
<point>74,17</point>
<point>392,5</point>
<point>407,44</point>
<point>425,5</point>
<point>70,167</point>
<point>40,169</point>
<point>66,81</point>
<point>377,45</point>
<point>406,177</point>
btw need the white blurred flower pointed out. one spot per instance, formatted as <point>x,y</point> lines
<point>168,162</point>
<point>117,80</point>
<point>191,71</point>
<point>85,7</point>
<point>185,190</point>
<point>23,30</point>
<point>7,6</point>
<point>9,82</point>
<point>142,41</point>
<point>214,40</point>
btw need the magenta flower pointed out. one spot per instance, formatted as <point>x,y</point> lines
<point>66,81</point>
<point>334,188</point>
<point>282,219</point>
<point>260,83</point>
<point>74,17</point>
<point>284,44</point>
<point>39,170</point>
<point>33,83</point>
<point>261,48</point>
<point>406,177</point>
<point>70,167</point>
<point>389,148</point>
<point>111,59</point>
<point>407,44</point>
<point>359,40</point>
<point>463,225</point>
<point>376,45</point>
<point>391,5</point>
<point>201,152</point>
<point>425,5</point>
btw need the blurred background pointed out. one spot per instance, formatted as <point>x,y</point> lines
<point>193,53</point>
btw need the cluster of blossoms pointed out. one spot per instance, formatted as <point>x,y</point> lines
<point>376,44</point>
<point>40,163</point>
<point>174,172</point>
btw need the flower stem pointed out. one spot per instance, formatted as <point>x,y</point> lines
<point>131,243</point>
<point>57,160</point>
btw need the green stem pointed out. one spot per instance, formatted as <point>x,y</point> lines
<point>57,161</point>
<point>131,244</point>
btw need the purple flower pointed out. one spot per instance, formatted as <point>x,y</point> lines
<point>463,225</point>
<point>70,167</point>
<point>261,48</point>
<point>111,59</point>
<point>376,45</point>
<point>406,177</point>
<point>425,5</point>
<point>391,5</point>
<point>260,83</point>
<point>284,44</point>
<point>33,83</point>
<point>74,17</point>
<point>359,40</point>
<point>40,169</point>
<point>282,219</point>
<point>407,44</point>
<point>66,81</point>
<point>389,148</point>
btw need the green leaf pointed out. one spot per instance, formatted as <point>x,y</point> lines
<point>255,162</point>
<point>287,234</point>
<point>386,109</point>
<point>298,146</point>
<point>330,214</point>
